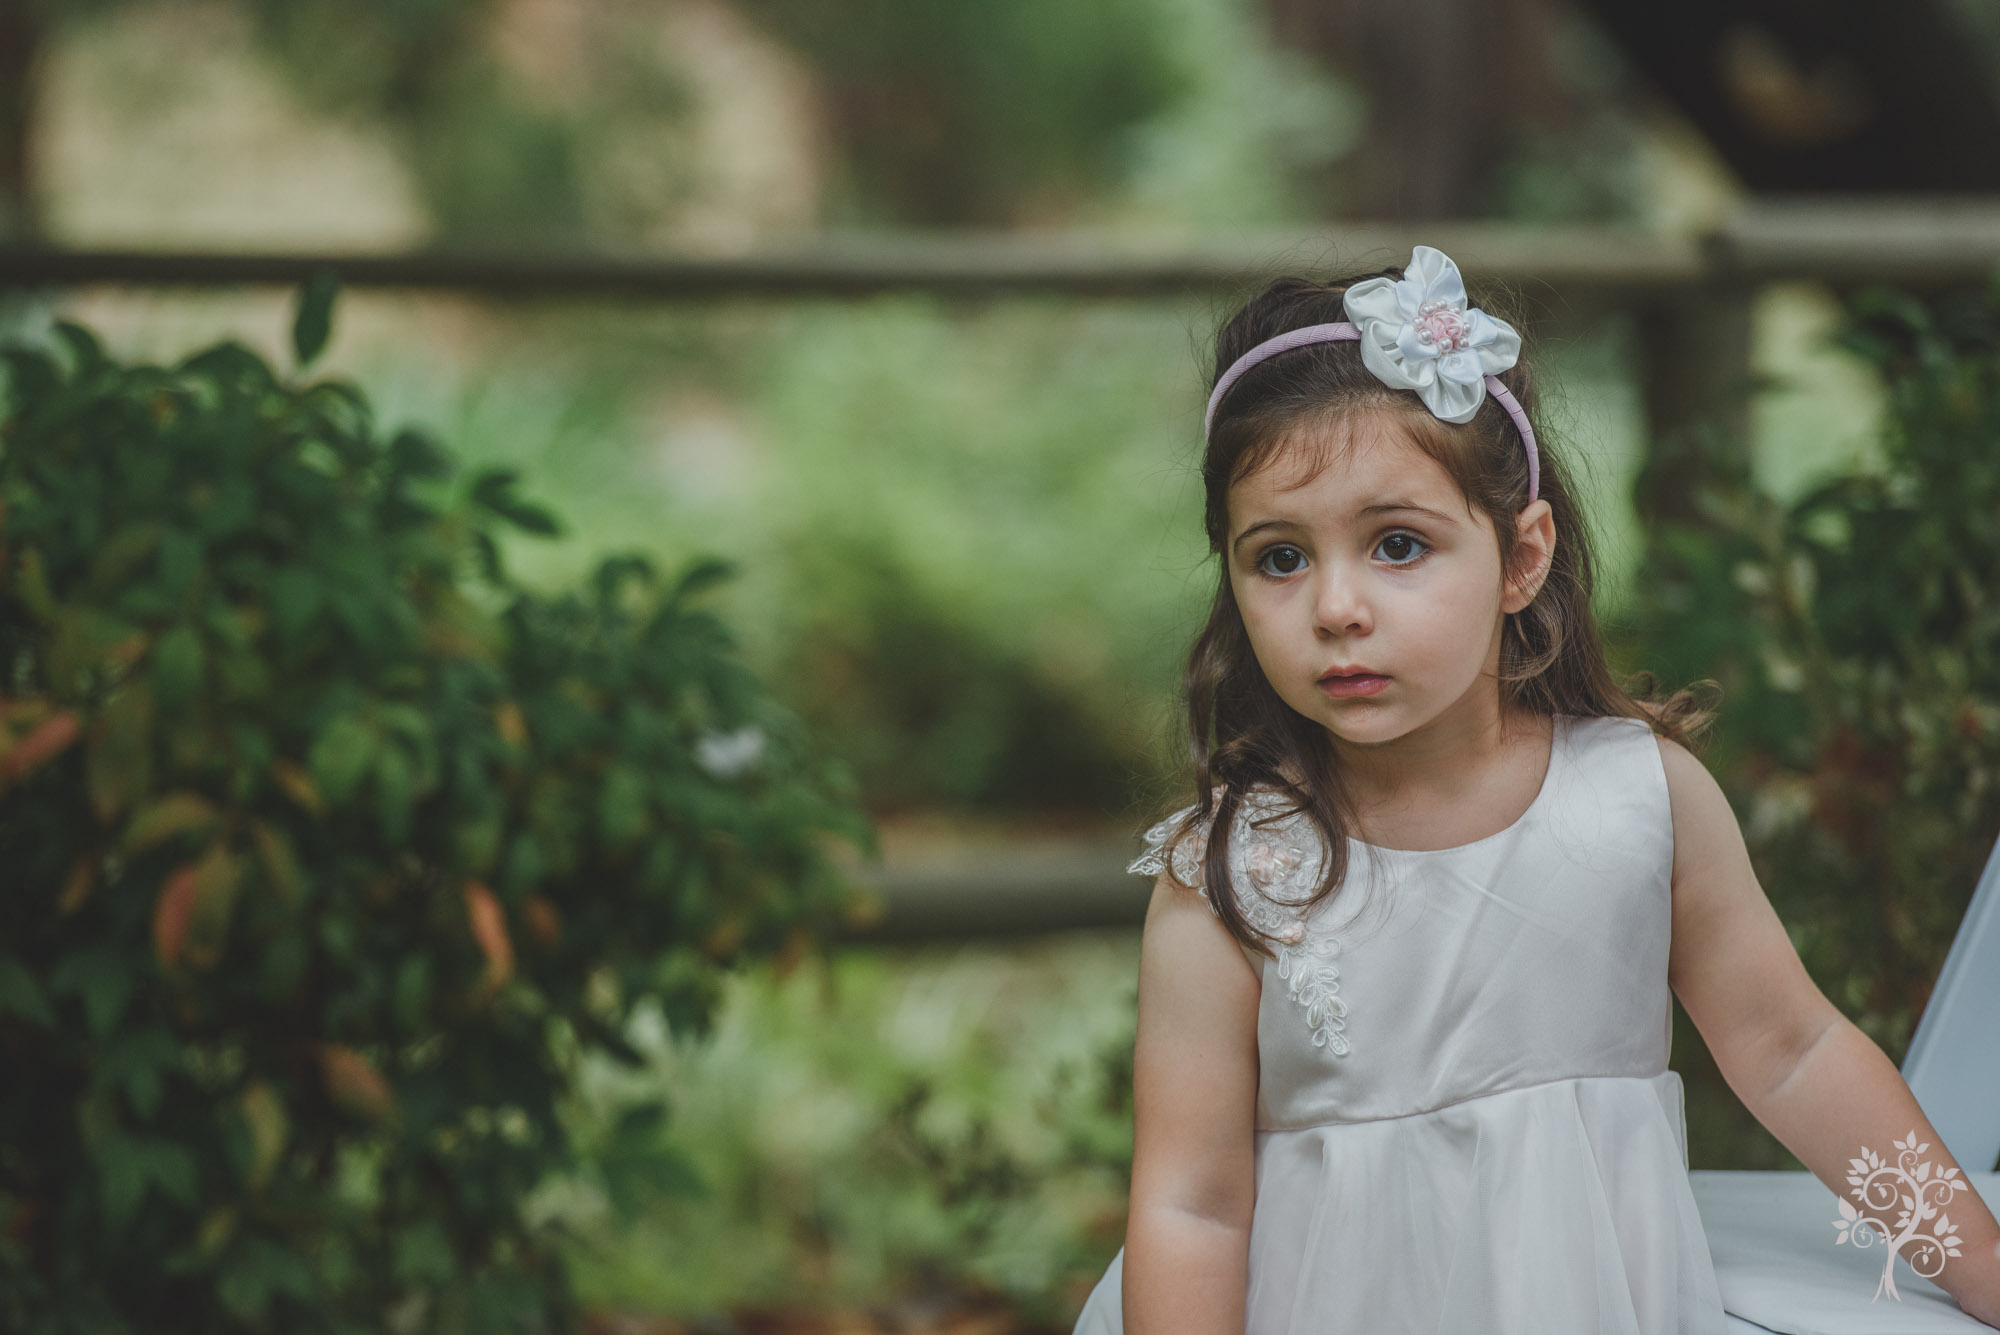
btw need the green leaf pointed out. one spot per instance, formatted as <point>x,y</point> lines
<point>179,562</point>
<point>256,1270</point>
<point>525,862</point>
<point>476,840</point>
<point>418,733</point>
<point>395,791</point>
<point>416,454</point>
<point>614,572</point>
<point>499,1302</point>
<point>700,575</point>
<point>21,995</point>
<point>166,816</point>
<point>263,1114</point>
<point>639,1126</point>
<point>423,1253</point>
<point>635,1180</point>
<point>491,566</point>
<point>177,665</point>
<point>281,965</point>
<point>493,491</point>
<point>199,1253</point>
<point>296,597</point>
<point>135,1063</point>
<point>127,1165</point>
<point>413,991</point>
<point>123,553</point>
<point>231,366</point>
<point>341,756</point>
<point>101,977</point>
<point>621,806</point>
<point>121,1177</point>
<point>171,1168</point>
<point>314,318</point>
<point>607,1039</point>
<point>279,860</point>
<point>32,376</point>
<point>119,765</point>
<point>86,352</point>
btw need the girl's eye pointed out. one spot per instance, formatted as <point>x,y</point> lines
<point>1402,549</point>
<point>1296,557</point>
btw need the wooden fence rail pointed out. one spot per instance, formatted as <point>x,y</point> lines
<point>1017,890</point>
<point>1691,295</point>
<point>1912,242</point>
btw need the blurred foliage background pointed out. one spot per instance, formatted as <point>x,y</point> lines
<point>967,530</point>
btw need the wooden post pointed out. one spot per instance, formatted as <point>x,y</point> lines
<point>1693,351</point>
<point>20,34</point>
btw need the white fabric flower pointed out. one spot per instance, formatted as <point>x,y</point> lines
<point>1418,333</point>
<point>1268,862</point>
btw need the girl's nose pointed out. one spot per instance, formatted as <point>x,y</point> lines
<point>1342,608</point>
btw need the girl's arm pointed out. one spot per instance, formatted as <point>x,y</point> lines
<point>1815,1081</point>
<point>1194,1100</point>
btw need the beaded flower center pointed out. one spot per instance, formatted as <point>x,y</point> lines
<point>1441,325</point>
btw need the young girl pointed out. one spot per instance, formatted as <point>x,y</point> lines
<point>1404,1020</point>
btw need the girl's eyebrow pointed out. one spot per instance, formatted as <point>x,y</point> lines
<point>1411,506</point>
<point>1261,524</point>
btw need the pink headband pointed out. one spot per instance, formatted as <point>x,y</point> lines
<point>1428,326</point>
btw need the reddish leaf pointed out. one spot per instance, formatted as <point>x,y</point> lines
<point>511,724</point>
<point>264,1114</point>
<point>77,885</point>
<point>298,786</point>
<point>191,918</point>
<point>38,747</point>
<point>280,863</point>
<point>25,1214</point>
<point>171,912</point>
<point>489,929</point>
<point>354,1084</point>
<point>172,814</point>
<point>798,942</point>
<point>544,920</point>
<point>722,940</point>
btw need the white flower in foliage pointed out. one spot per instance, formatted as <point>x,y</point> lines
<point>727,754</point>
<point>1418,333</point>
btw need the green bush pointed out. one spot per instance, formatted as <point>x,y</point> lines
<point>331,852</point>
<point>949,1125</point>
<point>1855,631</point>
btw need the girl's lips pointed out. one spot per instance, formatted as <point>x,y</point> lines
<point>1365,683</point>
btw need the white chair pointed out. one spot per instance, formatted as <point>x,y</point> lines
<point>1771,1234</point>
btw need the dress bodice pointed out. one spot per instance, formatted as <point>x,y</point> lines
<point>1430,977</point>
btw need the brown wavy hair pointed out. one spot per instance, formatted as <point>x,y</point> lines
<point>1242,735</point>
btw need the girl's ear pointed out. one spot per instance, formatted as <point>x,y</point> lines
<point>1534,551</point>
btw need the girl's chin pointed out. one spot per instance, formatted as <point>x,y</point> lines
<point>1364,722</point>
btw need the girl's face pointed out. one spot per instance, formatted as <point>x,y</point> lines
<point>1378,566</point>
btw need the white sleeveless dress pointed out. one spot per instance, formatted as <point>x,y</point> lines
<point>1465,1123</point>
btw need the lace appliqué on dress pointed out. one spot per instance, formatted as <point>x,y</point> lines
<point>1267,866</point>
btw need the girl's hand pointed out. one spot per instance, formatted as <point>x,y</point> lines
<point>1979,1295</point>
<point>1985,1308</point>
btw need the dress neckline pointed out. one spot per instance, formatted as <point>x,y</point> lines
<point>1558,729</point>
